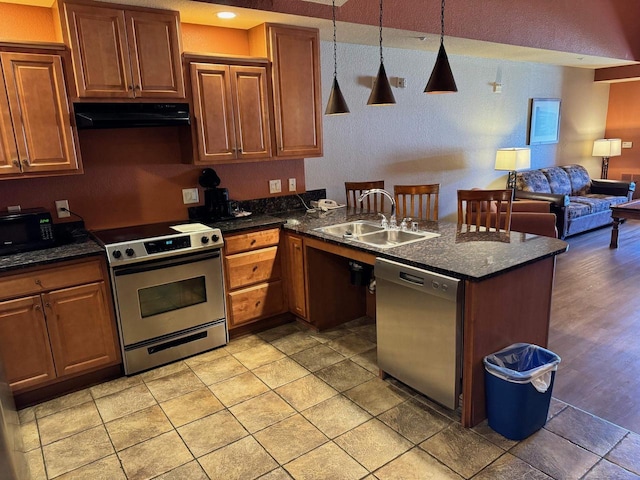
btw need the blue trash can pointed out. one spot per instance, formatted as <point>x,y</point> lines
<point>518,384</point>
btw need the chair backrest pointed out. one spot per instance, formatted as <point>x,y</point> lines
<point>374,202</point>
<point>426,206</point>
<point>495,204</point>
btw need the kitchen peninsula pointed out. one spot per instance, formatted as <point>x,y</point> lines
<point>507,283</point>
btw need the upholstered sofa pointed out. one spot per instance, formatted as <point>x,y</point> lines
<point>579,202</point>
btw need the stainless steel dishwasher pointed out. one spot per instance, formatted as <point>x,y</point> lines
<point>419,329</point>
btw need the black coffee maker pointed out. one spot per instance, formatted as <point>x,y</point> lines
<point>216,200</point>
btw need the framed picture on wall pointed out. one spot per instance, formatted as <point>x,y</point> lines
<point>544,121</point>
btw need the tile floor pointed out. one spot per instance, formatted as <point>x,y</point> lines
<point>289,403</point>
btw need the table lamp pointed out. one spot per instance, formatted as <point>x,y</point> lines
<point>512,159</point>
<point>605,148</point>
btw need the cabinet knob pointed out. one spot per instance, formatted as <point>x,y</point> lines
<point>37,307</point>
<point>16,163</point>
<point>26,162</point>
<point>38,282</point>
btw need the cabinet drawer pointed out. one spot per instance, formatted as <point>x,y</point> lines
<point>38,281</point>
<point>253,267</point>
<point>251,240</point>
<point>256,302</point>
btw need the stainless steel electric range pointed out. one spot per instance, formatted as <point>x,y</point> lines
<point>168,291</point>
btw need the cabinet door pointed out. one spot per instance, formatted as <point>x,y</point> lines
<point>250,99</point>
<point>98,42</point>
<point>254,303</point>
<point>80,328</point>
<point>24,343</point>
<point>211,86</point>
<point>294,53</point>
<point>296,276</point>
<point>40,112</point>
<point>9,162</point>
<point>154,47</point>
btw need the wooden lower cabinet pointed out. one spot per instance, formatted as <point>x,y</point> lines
<point>296,276</point>
<point>66,330</point>
<point>253,276</point>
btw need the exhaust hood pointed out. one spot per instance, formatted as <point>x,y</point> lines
<point>128,115</point>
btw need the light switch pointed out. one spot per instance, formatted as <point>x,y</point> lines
<point>627,144</point>
<point>190,195</point>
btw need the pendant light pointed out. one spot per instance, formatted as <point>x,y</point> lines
<point>381,93</point>
<point>441,79</point>
<point>336,104</point>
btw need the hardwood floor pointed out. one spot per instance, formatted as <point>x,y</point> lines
<point>595,325</point>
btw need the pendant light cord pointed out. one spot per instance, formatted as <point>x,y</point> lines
<point>335,50</point>
<point>381,59</point>
<point>442,24</point>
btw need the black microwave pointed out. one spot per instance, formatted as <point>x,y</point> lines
<point>29,229</point>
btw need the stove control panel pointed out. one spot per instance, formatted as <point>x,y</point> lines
<point>133,251</point>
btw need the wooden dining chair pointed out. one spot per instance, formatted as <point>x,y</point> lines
<point>374,202</point>
<point>422,201</point>
<point>485,208</point>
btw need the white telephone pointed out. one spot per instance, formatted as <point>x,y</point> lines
<point>326,204</point>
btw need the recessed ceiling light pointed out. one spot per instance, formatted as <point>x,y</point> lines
<point>226,15</point>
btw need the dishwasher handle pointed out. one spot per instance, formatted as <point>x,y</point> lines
<point>414,279</point>
<point>429,283</point>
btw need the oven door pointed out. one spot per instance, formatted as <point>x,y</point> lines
<point>161,297</point>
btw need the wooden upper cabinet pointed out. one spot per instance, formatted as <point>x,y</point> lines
<point>9,162</point>
<point>39,112</point>
<point>295,56</point>
<point>123,53</point>
<point>231,110</point>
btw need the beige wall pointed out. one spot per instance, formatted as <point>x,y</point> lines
<point>449,139</point>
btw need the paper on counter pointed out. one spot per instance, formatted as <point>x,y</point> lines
<point>190,227</point>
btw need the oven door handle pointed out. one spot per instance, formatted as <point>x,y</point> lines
<point>151,265</point>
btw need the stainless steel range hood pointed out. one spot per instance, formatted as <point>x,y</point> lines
<point>127,115</point>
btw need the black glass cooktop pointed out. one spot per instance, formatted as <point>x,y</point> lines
<point>137,232</point>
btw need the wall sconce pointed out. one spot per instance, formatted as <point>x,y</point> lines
<point>605,148</point>
<point>511,160</point>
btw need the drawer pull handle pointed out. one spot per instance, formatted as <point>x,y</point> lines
<point>253,242</point>
<point>38,282</point>
<point>255,267</point>
<point>258,303</point>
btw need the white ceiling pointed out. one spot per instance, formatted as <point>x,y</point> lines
<point>205,14</point>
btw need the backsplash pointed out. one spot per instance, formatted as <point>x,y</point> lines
<point>272,205</point>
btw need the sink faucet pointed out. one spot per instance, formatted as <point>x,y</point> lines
<point>392,221</point>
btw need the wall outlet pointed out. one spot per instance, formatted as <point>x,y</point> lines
<point>292,184</point>
<point>401,82</point>
<point>275,186</point>
<point>60,204</point>
<point>627,144</point>
<point>14,208</point>
<point>190,195</point>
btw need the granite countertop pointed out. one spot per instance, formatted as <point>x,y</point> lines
<point>470,256</point>
<point>79,249</point>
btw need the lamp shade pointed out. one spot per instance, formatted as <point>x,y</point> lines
<point>381,93</point>
<point>513,159</point>
<point>336,104</point>
<point>607,147</point>
<point>441,79</point>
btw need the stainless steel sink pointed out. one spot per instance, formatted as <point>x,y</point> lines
<point>375,235</point>
<point>351,229</point>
